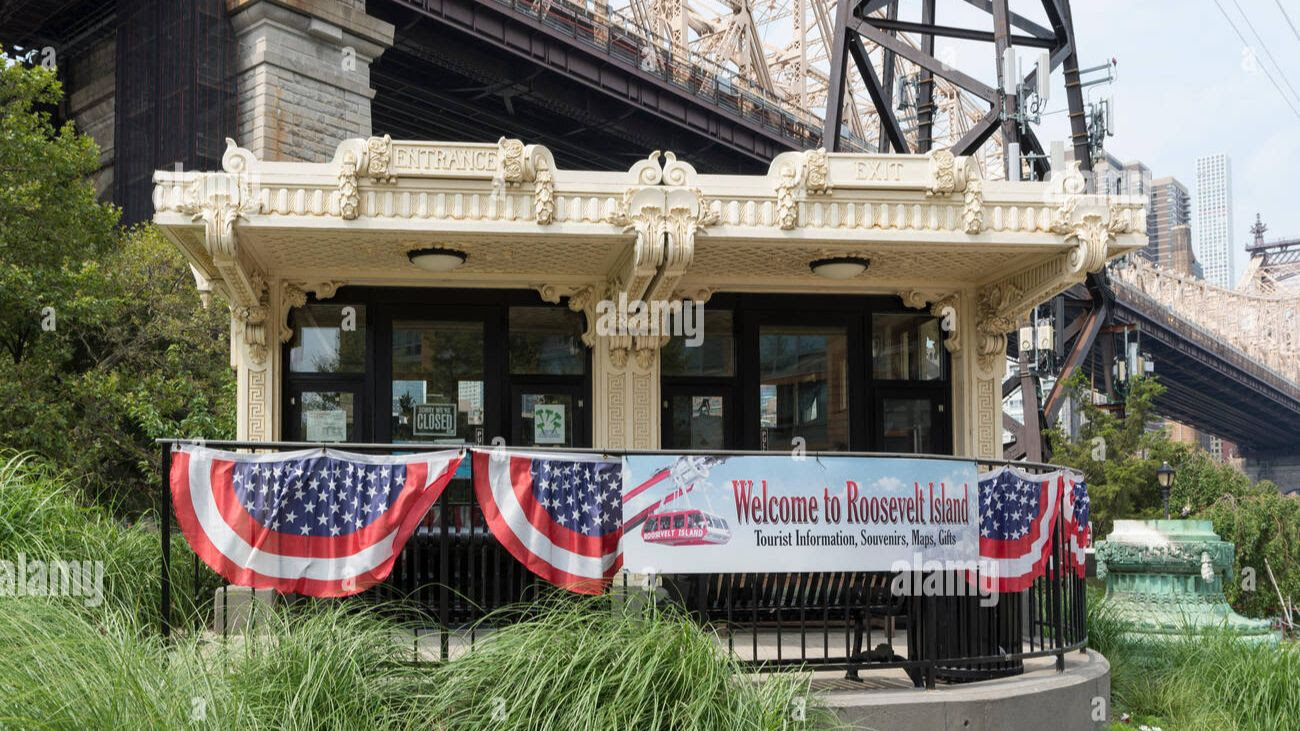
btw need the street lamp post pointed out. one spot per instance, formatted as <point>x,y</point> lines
<point>1165,476</point>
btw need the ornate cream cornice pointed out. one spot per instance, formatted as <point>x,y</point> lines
<point>294,294</point>
<point>253,319</point>
<point>349,191</point>
<point>379,157</point>
<point>951,174</point>
<point>942,305</point>
<point>219,201</point>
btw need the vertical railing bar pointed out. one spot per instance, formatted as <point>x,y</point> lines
<point>165,540</point>
<point>826,624</point>
<point>1057,615</point>
<point>931,644</point>
<point>729,583</point>
<point>444,566</point>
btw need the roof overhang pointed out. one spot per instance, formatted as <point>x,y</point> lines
<point>927,223</point>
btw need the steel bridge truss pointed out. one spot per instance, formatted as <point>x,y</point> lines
<point>908,47</point>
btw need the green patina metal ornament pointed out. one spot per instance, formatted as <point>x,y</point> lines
<point>1165,579</point>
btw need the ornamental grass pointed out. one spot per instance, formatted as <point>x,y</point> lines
<point>69,662</point>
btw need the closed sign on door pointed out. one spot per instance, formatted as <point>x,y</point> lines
<point>435,420</point>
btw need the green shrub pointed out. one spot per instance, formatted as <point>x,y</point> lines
<point>336,665</point>
<point>317,669</point>
<point>42,519</point>
<point>1263,526</point>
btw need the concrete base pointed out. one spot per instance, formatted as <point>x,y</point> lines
<point>233,607</point>
<point>1042,698</point>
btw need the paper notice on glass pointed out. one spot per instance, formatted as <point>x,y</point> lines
<point>548,424</point>
<point>325,426</point>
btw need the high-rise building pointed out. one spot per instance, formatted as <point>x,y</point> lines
<point>1214,219</point>
<point>1170,206</point>
<point>1118,178</point>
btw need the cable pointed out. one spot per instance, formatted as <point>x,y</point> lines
<point>1288,19</point>
<point>1264,68</point>
<point>1267,52</point>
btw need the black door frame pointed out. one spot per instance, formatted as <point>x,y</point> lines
<point>383,305</point>
<point>866,393</point>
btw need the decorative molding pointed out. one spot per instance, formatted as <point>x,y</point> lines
<point>349,193</point>
<point>787,210</point>
<point>544,198</point>
<point>946,310</point>
<point>699,294</point>
<point>219,201</point>
<point>817,172</point>
<point>379,156</point>
<point>988,413</point>
<point>511,157</point>
<point>294,294</point>
<point>942,305</point>
<point>518,164</point>
<point>946,176</point>
<point>291,296</point>
<point>972,216</point>
<point>257,415</point>
<point>253,319</point>
<point>998,307</point>
<point>917,299</point>
<point>1092,234</point>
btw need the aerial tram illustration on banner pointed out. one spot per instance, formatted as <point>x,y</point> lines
<point>686,525</point>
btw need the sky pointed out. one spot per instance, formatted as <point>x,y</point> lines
<point>1187,86</point>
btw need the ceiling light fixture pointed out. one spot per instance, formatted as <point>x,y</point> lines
<point>437,259</point>
<point>839,267</point>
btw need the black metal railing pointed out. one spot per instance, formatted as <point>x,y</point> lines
<point>453,574</point>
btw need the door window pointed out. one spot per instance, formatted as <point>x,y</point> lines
<point>908,426</point>
<point>803,387</point>
<point>695,421</point>
<point>437,381</point>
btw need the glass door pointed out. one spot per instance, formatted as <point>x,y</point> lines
<point>437,384</point>
<point>909,424</point>
<point>803,387</point>
<point>548,367</point>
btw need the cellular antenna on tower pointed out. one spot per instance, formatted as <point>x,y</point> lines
<point>881,44</point>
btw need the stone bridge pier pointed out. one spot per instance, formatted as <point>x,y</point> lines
<point>1278,465</point>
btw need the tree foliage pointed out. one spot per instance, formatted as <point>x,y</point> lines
<point>104,344</point>
<point>1119,458</point>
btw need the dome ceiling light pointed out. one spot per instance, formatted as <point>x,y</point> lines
<point>839,267</point>
<point>437,259</point>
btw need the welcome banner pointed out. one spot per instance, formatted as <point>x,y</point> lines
<point>688,514</point>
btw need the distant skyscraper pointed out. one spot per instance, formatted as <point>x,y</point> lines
<point>1169,206</point>
<point>1118,178</point>
<point>1214,219</point>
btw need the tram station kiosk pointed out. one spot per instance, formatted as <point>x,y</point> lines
<point>441,292</point>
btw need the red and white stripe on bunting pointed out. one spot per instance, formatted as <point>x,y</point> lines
<point>317,522</point>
